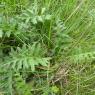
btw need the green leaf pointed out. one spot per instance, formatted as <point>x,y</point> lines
<point>48,17</point>
<point>39,18</point>
<point>8,33</point>
<point>34,20</point>
<point>43,10</point>
<point>1,33</point>
<point>27,57</point>
<point>55,89</point>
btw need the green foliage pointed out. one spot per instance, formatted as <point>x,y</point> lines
<point>20,85</point>
<point>6,82</point>
<point>83,57</point>
<point>25,58</point>
<point>33,15</point>
<point>47,47</point>
<point>55,89</point>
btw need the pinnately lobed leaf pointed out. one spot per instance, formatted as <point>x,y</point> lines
<point>27,57</point>
<point>82,57</point>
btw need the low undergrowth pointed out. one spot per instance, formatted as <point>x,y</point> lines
<point>47,47</point>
